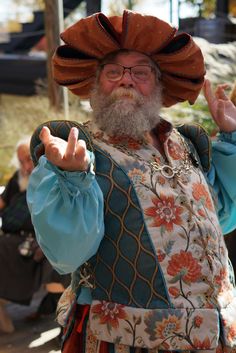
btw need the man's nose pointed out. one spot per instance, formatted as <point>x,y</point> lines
<point>30,167</point>
<point>27,167</point>
<point>126,79</point>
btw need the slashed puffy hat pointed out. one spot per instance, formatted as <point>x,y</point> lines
<point>89,40</point>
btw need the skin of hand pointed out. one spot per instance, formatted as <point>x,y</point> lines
<point>68,155</point>
<point>223,111</point>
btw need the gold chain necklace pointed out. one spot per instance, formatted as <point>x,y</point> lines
<point>166,170</point>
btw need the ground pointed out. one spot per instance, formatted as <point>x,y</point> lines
<point>39,336</point>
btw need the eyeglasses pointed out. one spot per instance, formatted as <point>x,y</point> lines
<point>139,73</point>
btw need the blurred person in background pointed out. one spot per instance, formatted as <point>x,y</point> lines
<point>23,267</point>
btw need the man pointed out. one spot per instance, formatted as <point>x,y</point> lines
<point>128,206</point>
<point>18,276</point>
<point>21,176</point>
<point>23,267</point>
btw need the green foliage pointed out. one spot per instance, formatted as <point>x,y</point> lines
<point>207,7</point>
<point>19,117</point>
<point>202,116</point>
<point>185,113</point>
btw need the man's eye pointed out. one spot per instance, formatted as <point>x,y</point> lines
<point>140,73</point>
<point>113,72</point>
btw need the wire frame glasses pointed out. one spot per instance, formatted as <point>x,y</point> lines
<point>139,73</point>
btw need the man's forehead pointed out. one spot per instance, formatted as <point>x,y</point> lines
<point>22,151</point>
<point>132,56</point>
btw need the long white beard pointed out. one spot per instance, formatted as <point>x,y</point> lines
<point>126,112</point>
<point>23,181</point>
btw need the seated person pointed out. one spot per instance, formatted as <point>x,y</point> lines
<point>23,267</point>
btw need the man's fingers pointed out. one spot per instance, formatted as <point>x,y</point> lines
<point>224,85</point>
<point>68,155</point>
<point>220,93</point>
<point>81,154</point>
<point>208,91</point>
<point>221,111</point>
<point>72,141</point>
<point>45,135</point>
<point>210,98</point>
<point>81,149</point>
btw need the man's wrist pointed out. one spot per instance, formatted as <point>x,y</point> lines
<point>229,137</point>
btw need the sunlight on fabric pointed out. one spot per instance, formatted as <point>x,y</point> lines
<point>45,337</point>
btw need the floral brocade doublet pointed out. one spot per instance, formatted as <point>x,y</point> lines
<point>180,216</point>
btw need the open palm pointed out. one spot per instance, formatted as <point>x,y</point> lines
<point>223,111</point>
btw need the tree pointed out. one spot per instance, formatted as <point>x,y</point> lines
<point>53,41</point>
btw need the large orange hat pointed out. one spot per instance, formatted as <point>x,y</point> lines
<point>178,57</point>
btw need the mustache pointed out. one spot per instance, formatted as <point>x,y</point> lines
<point>125,116</point>
<point>122,92</point>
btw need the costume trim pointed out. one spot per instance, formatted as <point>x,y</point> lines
<point>164,329</point>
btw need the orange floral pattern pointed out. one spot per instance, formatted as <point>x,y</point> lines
<point>161,255</point>
<point>165,212</point>
<point>231,334</point>
<point>109,313</point>
<point>204,344</point>
<point>174,291</point>
<point>175,150</point>
<point>201,194</point>
<point>168,329</point>
<point>221,276</point>
<point>137,176</point>
<point>161,180</point>
<point>176,211</point>
<point>184,266</point>
<point>197,321</point>
<point>168,326</point>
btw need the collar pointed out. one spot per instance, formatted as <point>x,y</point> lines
<point>162,130</point>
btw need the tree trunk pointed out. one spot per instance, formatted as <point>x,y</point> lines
<point>222,8</point>
<point>53,41</point>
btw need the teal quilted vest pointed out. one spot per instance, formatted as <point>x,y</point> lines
<point>125,269</point>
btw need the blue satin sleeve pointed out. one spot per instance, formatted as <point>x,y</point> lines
<point>67,213</point>
<point>222,176</point>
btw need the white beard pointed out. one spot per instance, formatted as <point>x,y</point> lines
<point>126,112</point>
<point>23,181</point>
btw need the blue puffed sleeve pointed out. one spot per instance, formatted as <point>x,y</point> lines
<point>67,213</point>
<point>222,177</point>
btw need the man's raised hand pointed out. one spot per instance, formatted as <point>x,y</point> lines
<point>68,155</point>
<point>223,111</point>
